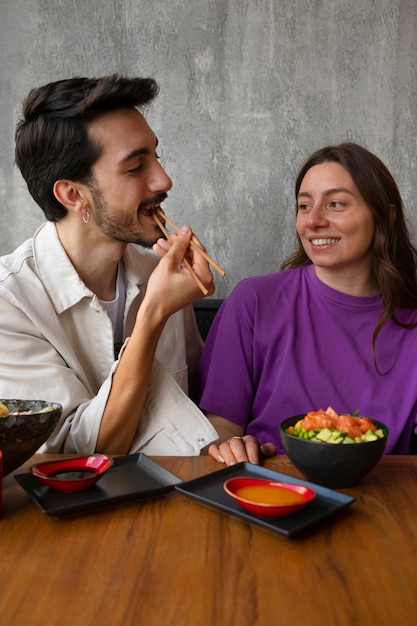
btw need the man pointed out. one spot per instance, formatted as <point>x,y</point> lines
<point>76,292</point>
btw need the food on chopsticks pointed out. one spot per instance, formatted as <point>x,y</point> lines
<point>194,244</point>
<point>5,412</point>
<point>332,427</point>
<point>158,216</point>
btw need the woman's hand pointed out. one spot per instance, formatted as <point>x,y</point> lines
<point>238,449</point>
<point>233,446</point>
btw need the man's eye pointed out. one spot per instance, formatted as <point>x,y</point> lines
<point>135,170</point>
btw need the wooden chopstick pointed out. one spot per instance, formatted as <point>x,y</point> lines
<point>185,261</point>
<point>194,243</point>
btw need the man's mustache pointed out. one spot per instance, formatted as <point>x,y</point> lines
<point>155,201</point>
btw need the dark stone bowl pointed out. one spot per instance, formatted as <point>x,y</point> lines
<point>22,435</point>
<point>334,465</point>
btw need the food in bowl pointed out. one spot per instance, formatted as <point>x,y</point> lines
<point>5,411</point>
<point>332,427</point>
<point>328,461</point>
<point>24,426</point>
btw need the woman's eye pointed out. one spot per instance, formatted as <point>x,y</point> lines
<point>302,207</point>
<point>336,204</point>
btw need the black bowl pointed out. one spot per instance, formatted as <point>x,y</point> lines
<point>334,465</point>
<point>22,435</point>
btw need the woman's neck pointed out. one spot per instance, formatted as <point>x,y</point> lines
<point>352,283</point>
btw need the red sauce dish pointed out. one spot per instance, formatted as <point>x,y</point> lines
<point>73,474</point>
<point>268,497</point>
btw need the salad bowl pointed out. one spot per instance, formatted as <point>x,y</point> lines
<point>24,426</point>
<point>331,464</point>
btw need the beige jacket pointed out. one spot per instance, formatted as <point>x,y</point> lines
<point>57,345</point>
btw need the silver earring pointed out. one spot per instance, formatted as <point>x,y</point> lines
<point>86,218</point>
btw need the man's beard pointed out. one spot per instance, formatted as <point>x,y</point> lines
<point>122,228</point>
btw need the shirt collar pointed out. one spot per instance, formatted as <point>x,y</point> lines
<point>62,281</point>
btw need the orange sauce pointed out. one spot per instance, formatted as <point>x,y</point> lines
<point>269,495</point>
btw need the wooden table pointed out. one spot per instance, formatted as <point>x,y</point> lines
<point>173,561</point>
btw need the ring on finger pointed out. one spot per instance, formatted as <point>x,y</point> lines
<point>234,437</point>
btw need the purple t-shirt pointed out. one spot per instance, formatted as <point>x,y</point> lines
<point>286,343</point>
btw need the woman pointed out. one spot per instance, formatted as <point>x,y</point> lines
<point>337,327</point>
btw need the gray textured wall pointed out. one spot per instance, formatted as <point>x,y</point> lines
<point>249,88</point>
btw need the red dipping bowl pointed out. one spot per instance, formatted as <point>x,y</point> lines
<point>72,474</point>
<point>268,497</point>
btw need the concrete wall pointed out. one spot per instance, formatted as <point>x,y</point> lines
<point>249,88</point>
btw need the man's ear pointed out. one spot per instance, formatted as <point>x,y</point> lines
<point>71,195</point>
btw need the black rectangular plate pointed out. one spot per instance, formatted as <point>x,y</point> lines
<point>131,478</point>
<point>209,490</point>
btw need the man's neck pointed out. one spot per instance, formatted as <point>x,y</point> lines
<point>94,259</point>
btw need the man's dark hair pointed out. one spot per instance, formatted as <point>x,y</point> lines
<point>52,141</point>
